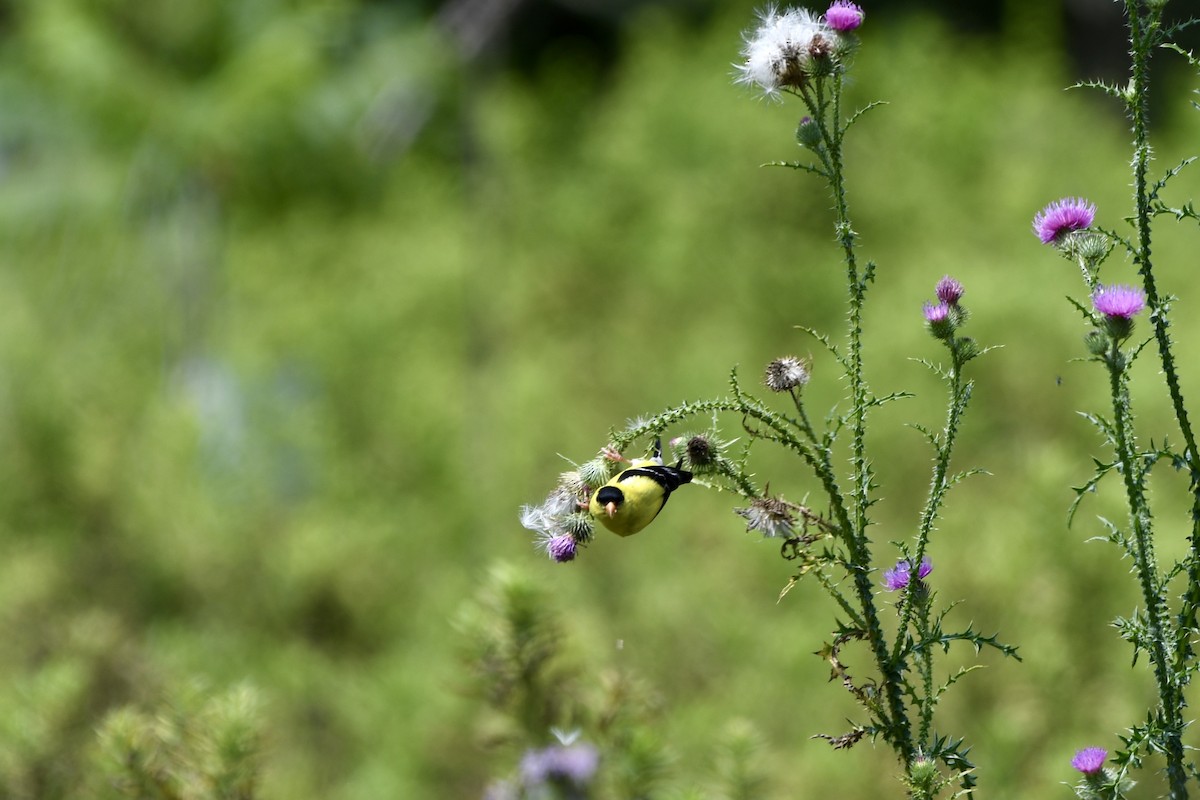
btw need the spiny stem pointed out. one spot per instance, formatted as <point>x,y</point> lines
<point>1157,623</point>
<point>926,666</point>
<point>897,727</point>
<point>1144,34</point>
<point>860,553</point>
<point>959,395</point>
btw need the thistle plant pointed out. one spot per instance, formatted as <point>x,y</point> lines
<point>1164,628</point>
<point>559,739</point>
<point>885,658</point>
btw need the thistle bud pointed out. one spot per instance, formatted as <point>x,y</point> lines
<point>967,348</point>
<point>1096,342</point>
<point>579,525</point>
<point>808,133</point>
<point>595,472</point>
<point>923,776</point>
<point>700,451</point>
<point>1091,246</point>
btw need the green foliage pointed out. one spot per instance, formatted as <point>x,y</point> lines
<point>270,430</point>
<point>198,747</point>
<point>517,652</point>
<point>514,642</point>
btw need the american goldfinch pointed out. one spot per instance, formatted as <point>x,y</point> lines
<point>631,500</point>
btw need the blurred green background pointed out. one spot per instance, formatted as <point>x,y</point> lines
<point>300,301</point>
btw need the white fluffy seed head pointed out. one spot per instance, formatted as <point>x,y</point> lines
<point>775,52</point>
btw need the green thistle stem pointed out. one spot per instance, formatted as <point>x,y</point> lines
<point>926,660</point>
<point>960,395</point>
<point>860,553</point>
<point>1157,622</point>
<point>897,728</point>
<point>1145,34</point>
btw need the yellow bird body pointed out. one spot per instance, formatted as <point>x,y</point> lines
<point>631,500</point>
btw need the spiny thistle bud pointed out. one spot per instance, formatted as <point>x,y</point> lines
<point>595,472</point>
<point>959,315</point>
<point>785,374</point>
<point>1096,342</point>
<point>924,777</point>
<point>966,348</point>
<point>701,452</point>
<point>808,133</point>
<point>1091,246</point>
<point>580,525</point>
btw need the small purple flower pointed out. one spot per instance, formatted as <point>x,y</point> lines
<point>843,16</point>
<point>574,763</point>
<point>899,576</point>
<point>1089,760</point>
<point>1062,217</point>
<point>561,548</point>
<point>941,321</point>
<point>949,291</point>
<point>1118,301</point>
<point>936,313</point>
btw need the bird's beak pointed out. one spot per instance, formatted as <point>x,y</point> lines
<point>610,509</point>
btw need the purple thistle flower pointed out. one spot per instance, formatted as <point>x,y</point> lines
<point>941,321</point>
<point>561,548</point>
<point>1062,217</point>
<point>1089,760</point>
<point>949,291</point>
<point>936,313</point>
<point>899,576</point>
<point>1118,301</point>
<point>843,16</point>
<point>574,763</point>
